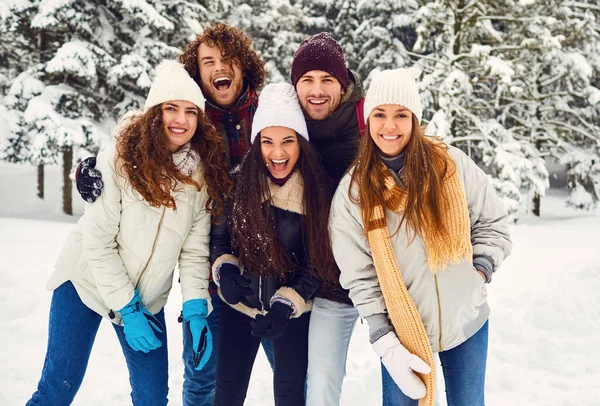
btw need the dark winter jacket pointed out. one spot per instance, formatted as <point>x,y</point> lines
<point>336,140</point>
<point>300,286</point>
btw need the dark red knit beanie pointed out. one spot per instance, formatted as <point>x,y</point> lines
<point>320,52</point>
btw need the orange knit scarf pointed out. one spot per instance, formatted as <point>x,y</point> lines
<point>401,309</point>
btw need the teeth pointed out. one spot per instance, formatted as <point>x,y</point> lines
<point>177,130</point>
<point>390,137</point>
<point>221,80</point>
<point>313,101</point>
<point>279,161</point>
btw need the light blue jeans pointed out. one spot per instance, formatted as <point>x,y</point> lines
<point>329,332</point>
<point>71,333</point>
<point>464,373</point>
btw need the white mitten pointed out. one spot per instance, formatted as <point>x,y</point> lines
<point>400,364</point>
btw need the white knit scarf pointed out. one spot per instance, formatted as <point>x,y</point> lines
<point>186,159</point>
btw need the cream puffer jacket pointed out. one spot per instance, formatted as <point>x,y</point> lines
<point>121,243</point>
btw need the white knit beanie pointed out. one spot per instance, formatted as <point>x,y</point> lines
<point>278,106</point>
<point>394,86</point>
<point>172,82</point>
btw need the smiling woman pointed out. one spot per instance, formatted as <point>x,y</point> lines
<point>282,252</point>
<point>180,120</point>
<point>280,150</point>
<point>166,173</point>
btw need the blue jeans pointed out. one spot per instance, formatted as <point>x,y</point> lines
<point>71,333</point>
<point>199,386</point>
<point>331,326</point>
<point>464,373</point>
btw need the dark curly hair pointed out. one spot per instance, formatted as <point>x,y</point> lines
<point>144,158</point>
<point>234,46</point>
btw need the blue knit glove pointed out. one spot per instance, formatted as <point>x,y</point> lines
<point>195,312</point>
<point>138,323</point>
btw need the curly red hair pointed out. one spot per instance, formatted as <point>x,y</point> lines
<point>234,45</point>
<point>145,160</point>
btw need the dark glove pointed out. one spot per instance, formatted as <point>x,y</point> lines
<point>88,180</point>
<point>233,285</point>
<point>272,325</point>
<point>139,326</point>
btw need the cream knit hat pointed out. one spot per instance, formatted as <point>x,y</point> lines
<point>394,86</point>
<point>278,106</point>
<point>172,82</point>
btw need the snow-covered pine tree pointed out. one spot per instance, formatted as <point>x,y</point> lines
<point>385,33</point>
<point>552,101</point>
<point>460,47</point>
<point>100,58</point>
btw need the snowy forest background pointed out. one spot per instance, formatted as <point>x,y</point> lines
<point>514,83</point>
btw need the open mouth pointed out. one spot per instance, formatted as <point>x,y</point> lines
<point>279,165</point>
<point>390,137</point>
<point>222,83</point>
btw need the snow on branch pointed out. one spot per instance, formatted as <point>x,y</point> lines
<point>74,58</point>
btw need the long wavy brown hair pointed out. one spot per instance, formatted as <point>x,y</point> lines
<point>425,169</point>
<point>145,160</point>
<point>235,46</point>
<point>253,219</point>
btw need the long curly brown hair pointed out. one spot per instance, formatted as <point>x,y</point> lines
<point>145,160</point>
<point>253,221</point>
<point>234,46</point>
<point>425,169</point>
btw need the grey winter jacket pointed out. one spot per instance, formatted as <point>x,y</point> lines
<point>452,303</point>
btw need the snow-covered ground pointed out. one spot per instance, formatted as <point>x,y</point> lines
<point>544,327</point>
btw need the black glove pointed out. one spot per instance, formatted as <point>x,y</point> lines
<point>273,324</point>
<point>89,180</point>
<point>233,285</point>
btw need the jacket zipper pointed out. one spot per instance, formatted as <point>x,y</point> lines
<point>153,247</point>
<point>262,306</point>
<point>437,292</point>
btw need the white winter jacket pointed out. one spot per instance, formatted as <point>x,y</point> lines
<point>121,243</point>
<point>452,303</point>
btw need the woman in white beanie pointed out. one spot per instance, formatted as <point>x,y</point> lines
<point>118,263</point>
<point>417,231</point>
<point>282,252</point>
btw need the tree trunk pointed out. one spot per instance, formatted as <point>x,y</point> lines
<point>40,181</point>
<point>536,204</point>
<point>67,184</point>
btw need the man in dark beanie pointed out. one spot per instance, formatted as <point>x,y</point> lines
<point>331,97</point>
<point>329,94</point>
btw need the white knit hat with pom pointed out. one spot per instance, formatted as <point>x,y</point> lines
<point>172,82</point>
<point>278,106</point>
<point>394,86</point>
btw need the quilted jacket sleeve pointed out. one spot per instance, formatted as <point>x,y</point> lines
<point>489,219</point>
<point>194,265</point>
<point>100,226</point>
